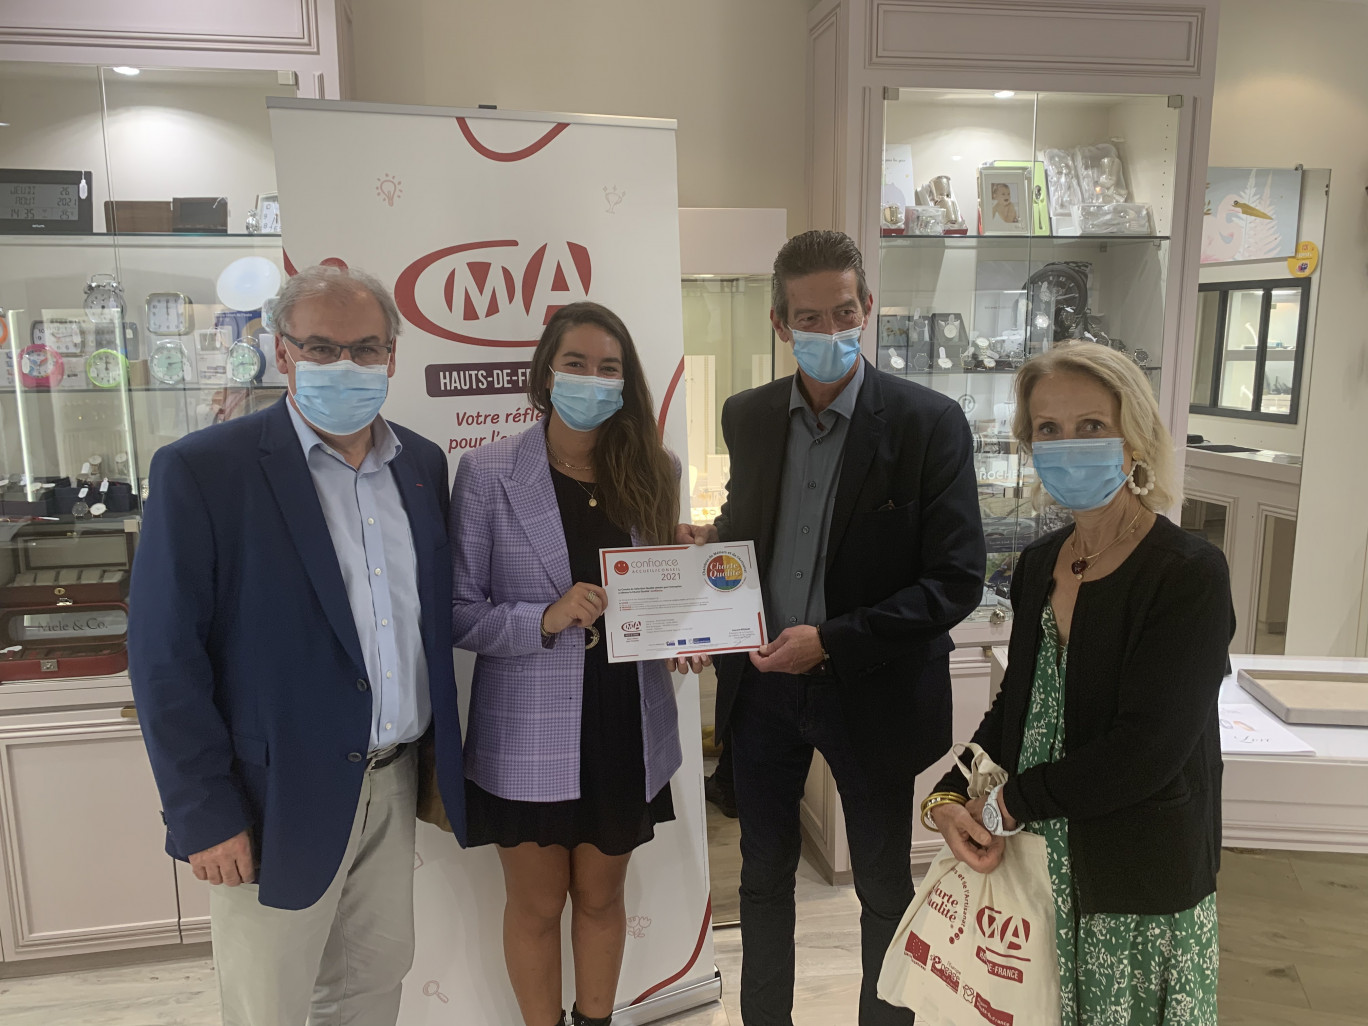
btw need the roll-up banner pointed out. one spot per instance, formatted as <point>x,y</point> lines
<point>484,223</point>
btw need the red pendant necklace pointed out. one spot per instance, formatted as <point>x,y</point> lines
<point>1081,563</point>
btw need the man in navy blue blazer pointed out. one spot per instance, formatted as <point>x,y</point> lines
<point>289,641</point>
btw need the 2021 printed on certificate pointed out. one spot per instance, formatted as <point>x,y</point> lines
<point>672,600</point>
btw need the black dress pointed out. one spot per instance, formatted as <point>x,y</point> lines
<point>612,812</point>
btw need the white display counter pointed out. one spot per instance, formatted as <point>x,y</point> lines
<point>1301,802</point>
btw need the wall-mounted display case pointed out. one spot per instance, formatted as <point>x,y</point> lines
<point>1013,176</point>
<point>116,342</point>
<point>1009,222</point>
<point>112,344</point>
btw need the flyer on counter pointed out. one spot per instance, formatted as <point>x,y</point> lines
<point>1246,729</point>
<point>671,600</point>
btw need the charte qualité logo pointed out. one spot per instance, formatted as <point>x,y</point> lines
<point>499,292</point>
<point>724,572</point>
<point>621,568</point>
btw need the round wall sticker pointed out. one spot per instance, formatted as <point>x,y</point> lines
<point>1303,264</point>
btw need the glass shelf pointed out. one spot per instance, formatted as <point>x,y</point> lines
<point>971,241</point>
<point>133,236</point>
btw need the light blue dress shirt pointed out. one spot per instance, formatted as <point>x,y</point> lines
<point>365,516</point>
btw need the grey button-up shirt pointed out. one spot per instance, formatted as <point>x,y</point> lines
<point>796,576</point>
<point>364,513</point>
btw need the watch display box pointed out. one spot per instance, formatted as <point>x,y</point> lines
<point>64,639</point>
<point>82,562</point>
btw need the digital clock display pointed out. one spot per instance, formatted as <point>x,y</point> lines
<point>32,201</point>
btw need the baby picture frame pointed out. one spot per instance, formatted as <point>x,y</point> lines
<point>1005,200</point>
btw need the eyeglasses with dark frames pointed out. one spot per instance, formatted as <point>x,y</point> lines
<point>363,354</point>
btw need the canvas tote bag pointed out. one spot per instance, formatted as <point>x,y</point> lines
<point>977,949</point>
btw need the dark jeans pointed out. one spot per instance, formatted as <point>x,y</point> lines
<point>778,721</point>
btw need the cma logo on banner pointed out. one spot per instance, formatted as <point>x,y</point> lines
<point>496,293</point>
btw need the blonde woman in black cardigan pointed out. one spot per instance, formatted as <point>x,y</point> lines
<point>1107,715</point>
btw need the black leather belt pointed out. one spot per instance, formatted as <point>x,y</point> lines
<point>385,756</point>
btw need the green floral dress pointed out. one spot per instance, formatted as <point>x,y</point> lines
<point>1114,969</point>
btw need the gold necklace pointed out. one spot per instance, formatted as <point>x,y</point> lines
<point>556,458</point>
<point>592,493</point>
<point>1080,565</point>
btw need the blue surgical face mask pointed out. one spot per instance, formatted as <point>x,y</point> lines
<point>340,398</point>
<point>585,402</point>
<point>826,358</point>
<point>1081,473</point>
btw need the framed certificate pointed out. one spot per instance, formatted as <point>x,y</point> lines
<point>666,601</point>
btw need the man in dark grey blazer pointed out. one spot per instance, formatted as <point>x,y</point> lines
<point>859,491</point>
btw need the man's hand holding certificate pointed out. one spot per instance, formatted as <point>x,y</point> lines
<point>671,601</point>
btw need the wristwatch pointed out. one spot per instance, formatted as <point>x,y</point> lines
<point>992,815</point>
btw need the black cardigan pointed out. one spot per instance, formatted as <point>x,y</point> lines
<point>1140,782</point>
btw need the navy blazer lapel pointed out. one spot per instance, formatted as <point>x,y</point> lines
<point>532,497</point>
<point>287,472</point>
<point>862,442</point>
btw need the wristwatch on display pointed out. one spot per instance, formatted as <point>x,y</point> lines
<point>246,362</point>
<point>104,299</point>
<point>107,368</point>
<point>992,815</point>
<point>41,366</point>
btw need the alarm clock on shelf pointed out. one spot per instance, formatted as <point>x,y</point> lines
<point>246,362</point>
<point>60,333</point>
<point>170,313</point>
<point>104,299</point>
<point>170,362</point>
<point>40,366</point>
<point>106,368</point>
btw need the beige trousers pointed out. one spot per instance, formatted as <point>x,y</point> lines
<point>339,962</point>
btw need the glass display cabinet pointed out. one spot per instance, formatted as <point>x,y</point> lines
<point>1010,222</point>
<point>132,288</point>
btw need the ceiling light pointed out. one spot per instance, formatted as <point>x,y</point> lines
<point>124,69</point>
<point>957,156</point>
<point>1001,94</point>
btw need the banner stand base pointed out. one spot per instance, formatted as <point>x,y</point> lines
<point>658,1007</point>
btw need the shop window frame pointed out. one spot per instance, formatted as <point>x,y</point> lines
<point>1267,286</point>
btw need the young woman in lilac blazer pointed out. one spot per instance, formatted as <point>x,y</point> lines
<point>568,757</point>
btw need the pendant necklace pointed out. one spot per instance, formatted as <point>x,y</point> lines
<point>1080,565</point>
<point>593,497</point>
<point>591,492</point>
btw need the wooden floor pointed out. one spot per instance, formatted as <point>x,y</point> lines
<point>1294,938</point>
<point>1293,926</point>
<point>1294,952</point>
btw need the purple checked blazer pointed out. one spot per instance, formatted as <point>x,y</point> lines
<point>509,562</point>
